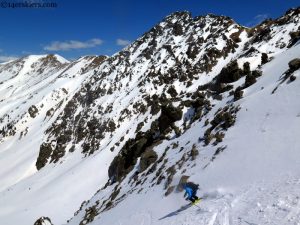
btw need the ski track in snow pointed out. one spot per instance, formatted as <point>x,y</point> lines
<point>272,204</point>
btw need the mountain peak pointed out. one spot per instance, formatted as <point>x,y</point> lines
<point>179,15</point>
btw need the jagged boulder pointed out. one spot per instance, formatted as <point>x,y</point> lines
<point>90,214</point>
<point>147,158</point>
<point>172,91</point>
<point>264,58</point>
<point>294,64</point>
<point>238,93</point>
<point>295,36</point>
<point>256,73</point>
<point>33,111</point>
<point>263,34</point>
<point>116,169</point>
<point>44,155</point>
<point>246,68</point>
<point>169,114</point>
<point>194,152</point>
<point>250,79</point>
<point>43,221</point>
<point>192,52</point>
<point>230,73</point>
<point>124,162</point>
<point>177,29</point>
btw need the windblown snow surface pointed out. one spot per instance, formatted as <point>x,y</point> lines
<point>253,179</point>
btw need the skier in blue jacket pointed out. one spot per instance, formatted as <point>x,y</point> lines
<point>191,191</point>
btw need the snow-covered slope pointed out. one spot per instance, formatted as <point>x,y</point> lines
<point>203,98</point>
<point>34,90</point>
<point>254,181</point>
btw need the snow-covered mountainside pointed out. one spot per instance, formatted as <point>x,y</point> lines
<point>108,140</point>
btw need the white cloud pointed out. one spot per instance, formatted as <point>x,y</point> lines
<point>7,58</point>
<point>72,44</point>
<point>122,42</point>
<point>258,19</point>
<point>261,17</point>
<point>26,53</point>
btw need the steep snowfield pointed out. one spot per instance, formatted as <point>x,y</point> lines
<point>256,180</point>
<point>263,202</point>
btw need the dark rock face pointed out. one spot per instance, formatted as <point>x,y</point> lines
<point>43,221</point>
<point>169,115</point>
<point>194,152</point>
<point>124,162</point>
<point>295,37</point>
<point>134,148</point>
<point>44,155</point>
<point>294,64</point>
<point>33,111</point>
<point>147,158</point>
<point>238,93</point>
<point>250,79</point>
<point>264,58</point>
<point>230,73</point>
<point>292,78</point>
<point>89,216</point>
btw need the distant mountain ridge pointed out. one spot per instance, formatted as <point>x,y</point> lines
<point>114,123</point>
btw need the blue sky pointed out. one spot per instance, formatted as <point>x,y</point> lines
<point>97,27</point>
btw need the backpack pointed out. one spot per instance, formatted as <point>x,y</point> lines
<point>192,185</point>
